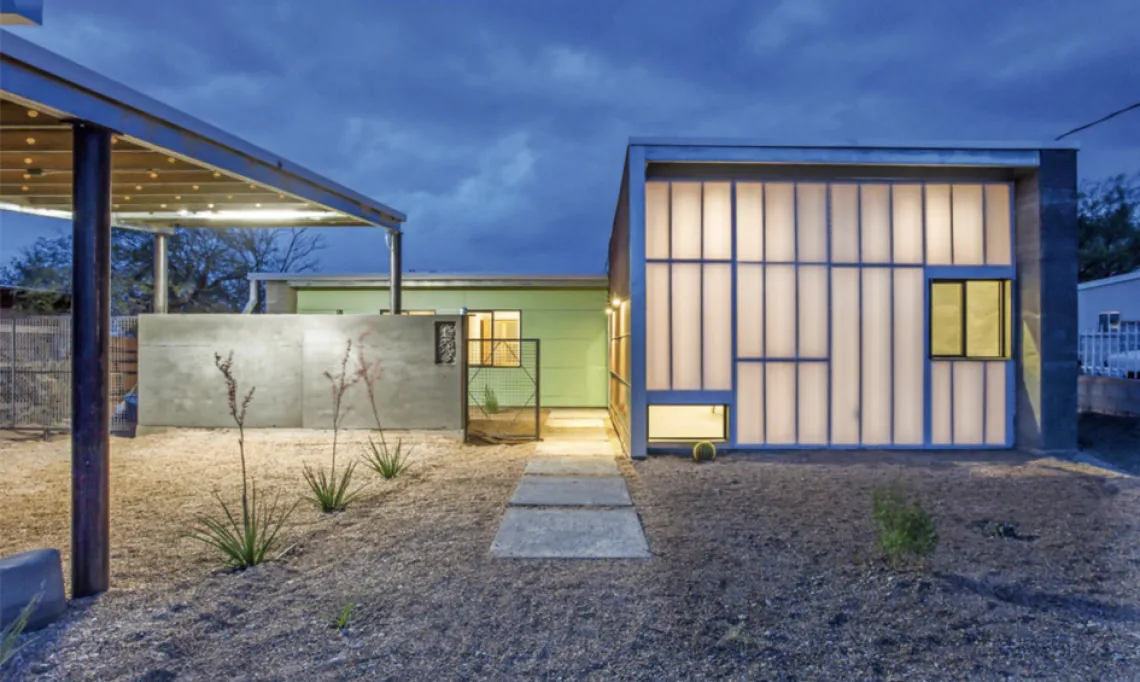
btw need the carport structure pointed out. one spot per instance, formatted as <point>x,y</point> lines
<point>78,146</point>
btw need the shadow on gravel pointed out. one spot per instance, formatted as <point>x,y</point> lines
<point>1020,595</point>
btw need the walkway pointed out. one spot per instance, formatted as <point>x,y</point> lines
<point>572,501</point>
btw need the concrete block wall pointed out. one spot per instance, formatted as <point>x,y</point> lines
<point>285,357</point>
<point>1108,395</point>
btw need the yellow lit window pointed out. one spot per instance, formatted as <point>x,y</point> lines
<point>684,423</point>
<point>970,318</point>
<point>493,338</point>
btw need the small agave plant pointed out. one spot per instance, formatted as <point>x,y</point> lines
<point>704,452</point>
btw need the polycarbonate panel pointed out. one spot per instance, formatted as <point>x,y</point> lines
<point>812,308</point>
<point>941,387</point>
<point>749,221</point>
<point>909,355</point>
<point>845,356</point>
<point>779,222</point>
<point>780,311</point>
<point>876,356</point>
<point>946,318</point>
<point>906,204</point>
<point>656,220</point>
<point>686,313</point>
<point>717,327</point>
<point>938,249</point>
<point>749,311</point>
<point>657,326</point>
<point>969,403</point>
<point>812,400</point>
<point>845,223</point>
<point>750,403</point>
<point>969,231</point>
<point>875,217</point>
<point>999,236</point>
<point>995,403</point>
<point>983,319</point>
<point>686,228</point>
<point>780,403</point>
<point>718,221</point>
<point>811,222</point>
<point>1008,293</point>
<point>687,422</point>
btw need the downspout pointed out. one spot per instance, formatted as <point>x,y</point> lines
<point>254,290</point>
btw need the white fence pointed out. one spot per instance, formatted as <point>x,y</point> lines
<point>1111,354</point>
<point>35,372</point>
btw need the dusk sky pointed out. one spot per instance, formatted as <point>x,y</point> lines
<point>500,127</point>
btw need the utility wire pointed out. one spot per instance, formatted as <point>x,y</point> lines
<point>1099,120</point>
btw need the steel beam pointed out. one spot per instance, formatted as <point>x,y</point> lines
<point>395,274</point>
<point>90,346</point>
<point>161,287</point>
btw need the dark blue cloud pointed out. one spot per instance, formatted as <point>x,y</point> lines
<point>500,127</point>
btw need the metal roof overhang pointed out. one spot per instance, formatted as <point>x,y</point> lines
<point>168,169</point>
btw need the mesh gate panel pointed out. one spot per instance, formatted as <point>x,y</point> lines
<point>503,389</point>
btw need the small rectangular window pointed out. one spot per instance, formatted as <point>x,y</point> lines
<point>493,338</point>
<point>688,423</point>
<point>970,319</point>
<point>1109,322</point>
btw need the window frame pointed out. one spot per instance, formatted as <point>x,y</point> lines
<point>494,364</point>
<point>1105,324</point>
<point>1005,318</point>
<point>726,407</point>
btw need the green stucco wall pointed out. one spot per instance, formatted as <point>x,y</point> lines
<point>570,324</point>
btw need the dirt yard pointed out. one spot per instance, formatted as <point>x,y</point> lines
<point>763,569</point>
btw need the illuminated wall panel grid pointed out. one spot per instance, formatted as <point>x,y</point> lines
<point>821,288</point>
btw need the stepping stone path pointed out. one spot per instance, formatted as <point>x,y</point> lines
<point>572,501</point>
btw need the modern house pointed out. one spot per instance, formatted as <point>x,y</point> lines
<point>782,297</point>
<point>566,314</point>
<point>1108,305</point>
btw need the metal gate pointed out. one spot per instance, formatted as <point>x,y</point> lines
<point>35,373</point>
<point>503,390</point>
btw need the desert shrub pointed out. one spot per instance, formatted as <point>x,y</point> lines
<point>344,615</point>
<point>246,536</point>
<point>10,635</point>
<point>490,400</point>
<point>704,452</point>
<point>903,529</point>
<point>330,491</point>
<point>386,461</point>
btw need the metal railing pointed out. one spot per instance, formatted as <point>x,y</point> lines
<point>1110,354</point>
<point>35,373</point>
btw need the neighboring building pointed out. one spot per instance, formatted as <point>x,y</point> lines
<point>781,297</point>
<point>567,314</point>
<point>1109,305</point>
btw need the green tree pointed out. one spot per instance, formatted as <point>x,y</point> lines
<point>1108,228</point>
<point>206,268</point>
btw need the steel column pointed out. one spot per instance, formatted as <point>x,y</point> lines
<point>90,343</point>
<point>395,276</point>
<point>161,287</point>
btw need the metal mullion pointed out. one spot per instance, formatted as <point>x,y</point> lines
<point>669,282</point>
<point>733,383</point>
<point>985,229</point>
<point>891,335</point>
<point>701,297</point>
<point>952,249</point>
<point>859,249</point>
<point>796,300</point>
<point>830,303</point>
<point>764,306</point>
<point>927,365</point>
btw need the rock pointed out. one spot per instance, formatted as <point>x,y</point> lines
<point>25,576</point>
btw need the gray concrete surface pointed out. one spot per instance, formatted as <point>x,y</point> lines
<point>285,357</point>
<point>571,423</point>
<point>25,576</point>
<point>574,465</point>
<point>1045,217</point>
<point>570,534</point>
<point>1109,395</point>
<point>571,491</point>
<point>574,447</point>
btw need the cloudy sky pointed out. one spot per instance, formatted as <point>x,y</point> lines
<point>499,126</point>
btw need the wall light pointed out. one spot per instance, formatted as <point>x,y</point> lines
<point>616,302</point>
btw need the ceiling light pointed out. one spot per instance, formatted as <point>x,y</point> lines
<point>209,205</point>
<point>153,175</point>
<point>32,113</point>
<point>195,188</point>
<point>31,140</point>
<point>24,188</point>
<point>257,205</point>
<point>138,187</point>
<point>184,212</point>
<point>229,196</point>
<point>217,174</point>
<point>27,176</point>
<point>178,197</point>
<point>114,140</point>
<point>28,161</point>
<point>126,197</point>
<point>616,302</point>
<point>170,159</point>
<point>252,187</point>
<point>162,205</point>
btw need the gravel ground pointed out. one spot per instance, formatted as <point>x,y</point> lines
<point>762,569</point>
